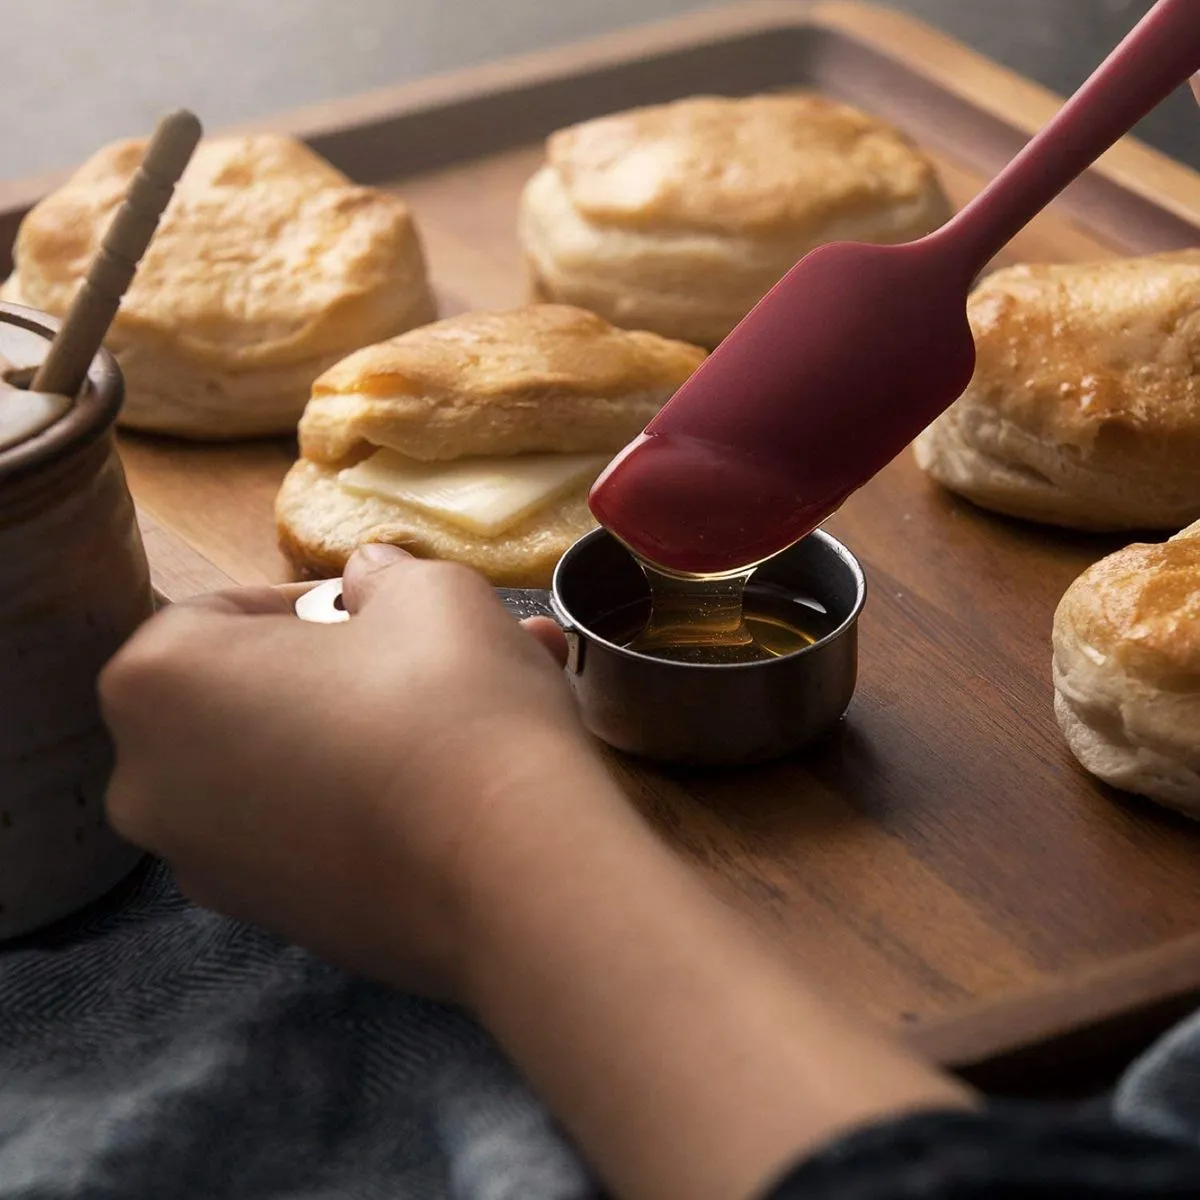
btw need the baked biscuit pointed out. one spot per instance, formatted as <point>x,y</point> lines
<point>268,266</point>
<point>475,439</point>
<point>680,217</point>
<point>1084,410</point>
<point>1127,670</point>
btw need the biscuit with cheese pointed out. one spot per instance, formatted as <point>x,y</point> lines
<point>268,266</point>
<point>474,439</point>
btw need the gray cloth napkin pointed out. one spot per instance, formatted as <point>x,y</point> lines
<point>151,1049</point>
<point>1160,1093</point>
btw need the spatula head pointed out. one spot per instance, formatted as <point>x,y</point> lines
<point>835,371</point>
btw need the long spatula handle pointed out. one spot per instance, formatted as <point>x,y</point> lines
<point>1161,53</point>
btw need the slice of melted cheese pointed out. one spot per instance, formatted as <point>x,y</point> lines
<point>482,495</point>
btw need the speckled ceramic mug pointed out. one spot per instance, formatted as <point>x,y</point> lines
<point>74,584</point>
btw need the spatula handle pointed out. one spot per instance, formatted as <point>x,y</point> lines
<point>1160,54</point>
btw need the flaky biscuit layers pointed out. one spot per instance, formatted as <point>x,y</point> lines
<point>1084,410</point>
<point>427,440</point>
<point>680,217</point>
<point>1127,670</point>
<point>268,266</point>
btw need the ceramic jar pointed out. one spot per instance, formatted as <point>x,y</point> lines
<point>74,584</point>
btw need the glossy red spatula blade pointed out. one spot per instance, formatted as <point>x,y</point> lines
<point>857,348</point>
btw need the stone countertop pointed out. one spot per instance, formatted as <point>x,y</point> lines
<point>88,72</point>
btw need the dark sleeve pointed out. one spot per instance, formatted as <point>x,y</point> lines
<point>1031,1153</point>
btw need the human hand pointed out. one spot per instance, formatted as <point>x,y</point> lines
<point>347,786</point>
<point>411,794</point>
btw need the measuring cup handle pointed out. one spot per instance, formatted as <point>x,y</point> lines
<point>323,603</point>
<point>323,606</point>
<point>524,603</point>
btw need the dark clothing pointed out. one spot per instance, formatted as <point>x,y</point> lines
<point>1002,1155</point>
<point>1142,1145</point>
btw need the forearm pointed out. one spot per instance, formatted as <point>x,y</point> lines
<point>685,1057</point>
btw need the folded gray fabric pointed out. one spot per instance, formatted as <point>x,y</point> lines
<point>1160,1093</point>
<point>151,1049</point>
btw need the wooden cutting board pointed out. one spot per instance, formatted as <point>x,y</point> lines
<point>941,861</point>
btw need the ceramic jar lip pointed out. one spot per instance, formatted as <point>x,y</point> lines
<point>93,413</point>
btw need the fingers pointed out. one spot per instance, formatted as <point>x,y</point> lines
<point>376,568</point>
<point>550,635</point>
<point>125,805</point>
<point>248,601</point>
<point>292,592</point>
<point>195,636</point>
<point>257,601</point>
<point>369,568</point>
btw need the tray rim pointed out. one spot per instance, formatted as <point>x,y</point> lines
<point>1121,991</point>
<point>1132,164</point>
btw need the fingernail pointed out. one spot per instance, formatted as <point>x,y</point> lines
<point>380,554</point>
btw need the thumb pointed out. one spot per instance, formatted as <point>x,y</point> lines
<point>549,633</point>
<point>369,568</point>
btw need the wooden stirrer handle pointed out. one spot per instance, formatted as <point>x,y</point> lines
<point>112,270</point>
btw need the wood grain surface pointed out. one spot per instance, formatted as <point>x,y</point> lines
<point>941,861</point>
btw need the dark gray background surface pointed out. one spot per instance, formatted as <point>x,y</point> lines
<point>79,72</point>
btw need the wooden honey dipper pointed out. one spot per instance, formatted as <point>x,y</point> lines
<point>133,226</point>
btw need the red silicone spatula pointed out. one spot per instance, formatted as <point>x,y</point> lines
<point>857,348</point>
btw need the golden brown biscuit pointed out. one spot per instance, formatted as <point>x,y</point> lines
<point>268,266</point>
<point>547,377</point>
<point>1085,406</point>
<point>679,217</point>
<point>1127,670</point>
<point>500,387</point>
